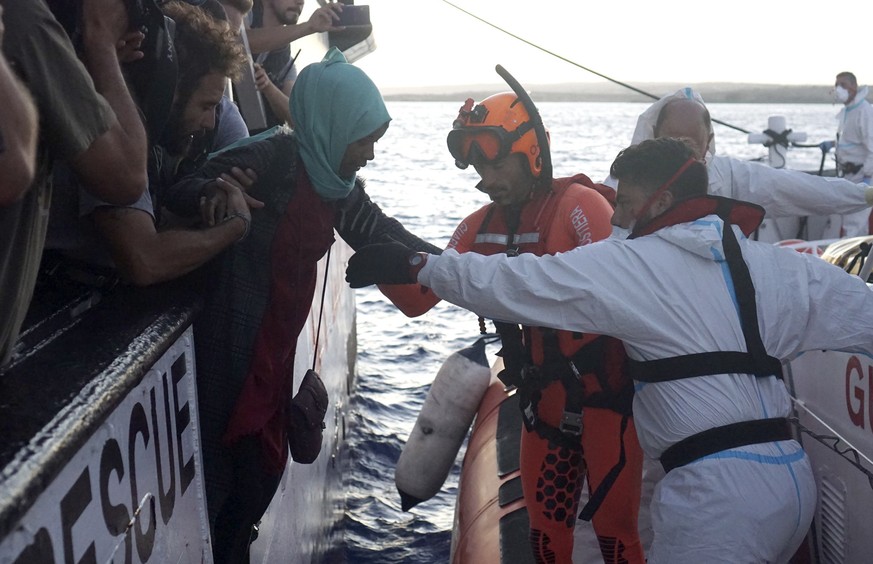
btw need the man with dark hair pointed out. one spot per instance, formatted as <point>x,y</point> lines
<point>208,55</point>
<point>650,169</point>
<point>707,317</point>
<point>274,25</point>
<point>144,251</point>
<point>782,193</point>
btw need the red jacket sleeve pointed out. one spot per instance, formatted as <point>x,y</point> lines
<point>414,299</point>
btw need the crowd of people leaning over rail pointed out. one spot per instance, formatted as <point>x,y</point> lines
<point>123,153</point>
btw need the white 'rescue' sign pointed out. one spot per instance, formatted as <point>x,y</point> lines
<point>134,491</point>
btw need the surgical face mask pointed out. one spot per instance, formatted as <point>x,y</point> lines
<point>620,232</point>
<point>841,95</point>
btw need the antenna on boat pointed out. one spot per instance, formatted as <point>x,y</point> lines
<point>535,118</point>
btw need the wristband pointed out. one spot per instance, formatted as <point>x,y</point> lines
<point>246,220</point>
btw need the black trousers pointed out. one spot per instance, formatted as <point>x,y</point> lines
<point>252,490</point>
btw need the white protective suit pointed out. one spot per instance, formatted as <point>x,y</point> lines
<point>855,145</point>
<point>670,294</point>
<point>781,192</point>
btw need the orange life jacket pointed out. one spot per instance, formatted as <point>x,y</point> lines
<point>569,215</point>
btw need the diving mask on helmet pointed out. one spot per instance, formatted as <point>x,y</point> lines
<point>488,144</point>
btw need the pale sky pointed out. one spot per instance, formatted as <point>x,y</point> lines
<point>428,42</point>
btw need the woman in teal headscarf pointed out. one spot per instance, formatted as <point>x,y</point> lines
<point>336,108</point>
<point>260,291</point>
<point>334,105</point>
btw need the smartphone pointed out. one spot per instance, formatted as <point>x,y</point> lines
<point>354,15</point>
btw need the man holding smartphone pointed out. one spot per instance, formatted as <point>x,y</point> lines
<point>272,29</point>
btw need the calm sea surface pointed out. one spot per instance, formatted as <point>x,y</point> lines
<point>414,179</point>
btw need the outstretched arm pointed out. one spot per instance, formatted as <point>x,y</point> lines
<point>786,193</point>
<point>361,222</point>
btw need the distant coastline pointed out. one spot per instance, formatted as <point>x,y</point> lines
<point>713,92</point>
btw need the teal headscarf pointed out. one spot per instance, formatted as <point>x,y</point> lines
<point>333,104</point>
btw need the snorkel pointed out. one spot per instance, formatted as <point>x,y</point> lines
<point>545,155</point>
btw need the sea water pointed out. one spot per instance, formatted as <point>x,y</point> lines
<point>414,179</point>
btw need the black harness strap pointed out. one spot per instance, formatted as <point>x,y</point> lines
<point>536,379</point>
<point>589,359</point>
<point>745,292</point>
<point>703,364</point>
<point>723,438</point>
<point>756,361</point>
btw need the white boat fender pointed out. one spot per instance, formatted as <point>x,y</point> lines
<point>442,424</point>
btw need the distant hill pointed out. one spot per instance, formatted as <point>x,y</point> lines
<point>712,92</point>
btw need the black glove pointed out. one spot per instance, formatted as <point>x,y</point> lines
<point>382,263</point>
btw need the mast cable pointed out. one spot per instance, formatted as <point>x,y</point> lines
<point>565,59</point>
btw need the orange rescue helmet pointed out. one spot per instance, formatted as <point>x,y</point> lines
<point>493,129</point>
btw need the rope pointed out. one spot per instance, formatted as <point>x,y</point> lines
<point>777,138</point>
<point>321,307</point>
<point>834,442</point>
<point>574,63</point>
